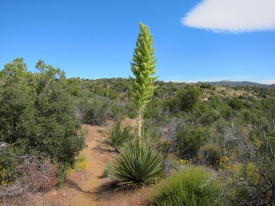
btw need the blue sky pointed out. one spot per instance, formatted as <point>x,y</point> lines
<point>195,40</point>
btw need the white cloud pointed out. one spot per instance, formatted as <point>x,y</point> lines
<point>232,15</point>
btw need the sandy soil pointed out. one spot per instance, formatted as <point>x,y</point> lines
<point>90,187</point>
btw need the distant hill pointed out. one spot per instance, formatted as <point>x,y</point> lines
<point>243,83</point>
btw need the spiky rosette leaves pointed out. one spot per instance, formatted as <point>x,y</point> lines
<point>137,165</point>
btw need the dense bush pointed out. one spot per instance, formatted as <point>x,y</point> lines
<point>235,103</point>
<point>189,140</point>
<point>184,100</point>
<point>73,86</point>
<point>188,98</point>
<point>206,86</point>
<point>190,186</point>
<point>37,115</point>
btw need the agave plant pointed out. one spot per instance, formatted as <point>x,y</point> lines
<point>137,165</point>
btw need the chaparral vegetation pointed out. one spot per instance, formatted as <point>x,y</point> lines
<point>195,144</point>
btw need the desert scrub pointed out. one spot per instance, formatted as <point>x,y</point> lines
<point>190,186</point>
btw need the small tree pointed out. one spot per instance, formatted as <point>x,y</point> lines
<point>143,67</point>
<point>37,116</point>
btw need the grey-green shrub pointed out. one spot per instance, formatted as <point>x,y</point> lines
<point>191,186</point>
<point>118,135</point>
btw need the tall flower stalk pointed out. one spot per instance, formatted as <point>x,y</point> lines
<point>143,67</point>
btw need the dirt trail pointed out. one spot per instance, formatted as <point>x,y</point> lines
<point>88,187</point>
<point>96,160</point>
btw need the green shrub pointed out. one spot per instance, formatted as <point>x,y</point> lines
<point>137,165</point>
<point>206,86</point>
<point>171,104</point>
<point>96,111</point>
<point>200,107</point>
<point>234,103</point>
<point>37,116</point>
<point>212,153</point>
<point>93,109</point>
<point>190,186</point>
<point>188,98</point>
<point>153,110</point>
<point>210,117</point>
<point>189,140</point>
<point>226,112</point>
<point>252,98</point>
<point>184,100</point>
<point>72,85</point>
<point>117,110</point>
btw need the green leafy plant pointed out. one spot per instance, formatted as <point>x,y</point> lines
<point>137,165</point>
